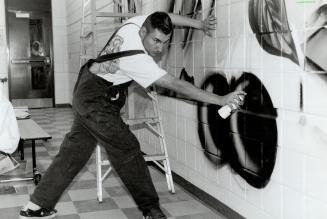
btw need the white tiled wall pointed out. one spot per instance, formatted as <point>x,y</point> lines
<point>297,185</point>
<point>61,74</point>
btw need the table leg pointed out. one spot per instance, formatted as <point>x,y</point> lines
<point>21,149</point>
<point>33,154</point>
<point>36,173</point>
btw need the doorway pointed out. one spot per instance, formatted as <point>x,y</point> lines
<point>29,31</point>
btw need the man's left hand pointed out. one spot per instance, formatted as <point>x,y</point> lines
<point>209,24</point>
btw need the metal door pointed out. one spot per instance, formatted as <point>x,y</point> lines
<point>31,68</point>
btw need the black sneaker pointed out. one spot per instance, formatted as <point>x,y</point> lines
<point>44,213</point>
<point>154,213</point>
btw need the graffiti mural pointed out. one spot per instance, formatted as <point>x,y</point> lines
<point>318,39</point>
<point>254,134</point>
<point>248,140</point>
<point>268,20</point>
<point>215,140</point>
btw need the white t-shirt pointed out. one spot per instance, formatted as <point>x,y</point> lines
<point>140,68</point>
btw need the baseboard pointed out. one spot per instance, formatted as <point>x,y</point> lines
<point>202,196</point>
<point>64,105</point>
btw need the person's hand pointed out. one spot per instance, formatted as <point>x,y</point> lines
<point>235,99</point>
<point>209,24</point>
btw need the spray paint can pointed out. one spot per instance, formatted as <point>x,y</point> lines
<point>227,110</point>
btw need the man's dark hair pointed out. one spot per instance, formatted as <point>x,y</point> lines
<point>159,20</point>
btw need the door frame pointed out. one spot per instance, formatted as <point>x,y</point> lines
<point>51,53</point>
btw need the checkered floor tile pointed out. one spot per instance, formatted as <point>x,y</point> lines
<point>79,201</point>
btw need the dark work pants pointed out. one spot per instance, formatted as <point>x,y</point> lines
<point>97,119</point>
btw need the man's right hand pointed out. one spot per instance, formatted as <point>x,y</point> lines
<point>235,98</point>
<point>209,24</point>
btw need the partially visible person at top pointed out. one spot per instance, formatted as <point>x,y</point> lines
<point>130,55</point>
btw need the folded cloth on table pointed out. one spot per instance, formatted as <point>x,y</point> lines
<point>21,113</point>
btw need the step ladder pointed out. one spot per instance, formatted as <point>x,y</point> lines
<point>89,31</point>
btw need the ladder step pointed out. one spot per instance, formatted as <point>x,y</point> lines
<point>107,24</point>
<point>113,14</point>
<point>87,23</point>
<point>86,57</point>
<point>143,120</point>
<point>151,157</point>
<point>88,35</point>
<point>86,3</point>
<point>154,157</point>
<point>105,162</point>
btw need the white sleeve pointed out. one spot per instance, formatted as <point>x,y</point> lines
<point>142,69</point>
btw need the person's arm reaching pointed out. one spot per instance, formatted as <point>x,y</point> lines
<point>206,25</point>
<point>182,87</point>
<point>188,90</point>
